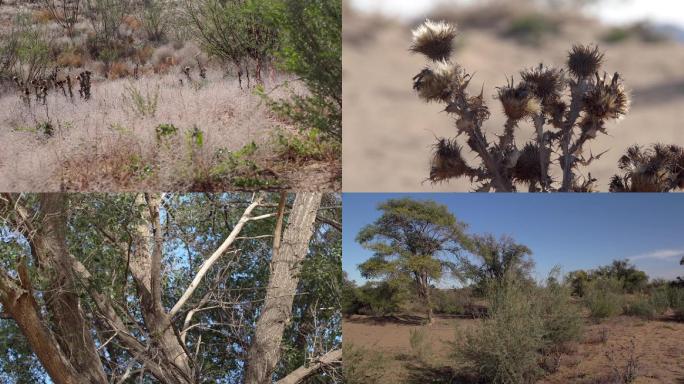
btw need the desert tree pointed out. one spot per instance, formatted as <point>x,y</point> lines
<point>234,31</point>
<point>311,48</point>
<point>155,19</point>
<point>415,240</point>
<point>65,13</point>
<point>156,288</point>
<point>562,124</point>
<point>659,168</point>
<point>495,260</point>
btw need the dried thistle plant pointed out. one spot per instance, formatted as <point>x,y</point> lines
<point>568,107</point>
<point>659,168</point>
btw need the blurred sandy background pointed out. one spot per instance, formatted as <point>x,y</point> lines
<point>389,132</point>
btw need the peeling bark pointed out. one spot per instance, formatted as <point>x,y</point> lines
<point>288,255</point>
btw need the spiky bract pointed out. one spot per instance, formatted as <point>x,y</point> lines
<point>656,169</point>
<point>545,82</point>
<point>607,100</point>
<point>439,83</point>
<point>527,169</point>
<point>584,60</point>
<point>448,162</point>
<point>518,101</point>
<point>434,40</point>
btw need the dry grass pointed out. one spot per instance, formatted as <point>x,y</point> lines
<point>109,144</point>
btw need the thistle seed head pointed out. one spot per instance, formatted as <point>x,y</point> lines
<point>607,100</point>
<point>584,60</point>
<point>518,101</point>
<point>448,162</point>
<point>434,40</point>
<point>438,83</point>
<point>546,83</point>
<point>528,168</point>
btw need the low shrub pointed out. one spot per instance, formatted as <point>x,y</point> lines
<point>604,298</point>
<point>531,28</point>
<point>450,302</point>
<point>641,307</point>
<point>311,145</point>
<point>562,318</point>
<point>420,345</point>
<point>360,365</point>
<point>505,348</point>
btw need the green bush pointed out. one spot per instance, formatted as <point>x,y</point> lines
<point>450,302</point>
<point>311,145</point>
<point>676,298</point>
<point>531,28</point>
<point>562,318</point>
<point>311,48</point>
<point>641,307</point>
<point>505,348</point>
<point>164,131</point>
<point>604,298</point>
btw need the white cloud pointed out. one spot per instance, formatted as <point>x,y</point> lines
<point>661,254</point>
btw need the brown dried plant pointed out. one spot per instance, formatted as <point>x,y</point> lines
<point>568,107</point>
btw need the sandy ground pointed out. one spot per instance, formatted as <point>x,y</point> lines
<point>660,345</point>
<point>388,131</point>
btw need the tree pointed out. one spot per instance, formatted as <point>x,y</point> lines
<point>235,30</point>
<point>412,239</point>
<point>500,260</point>
<point>156,288</point>
<point>65,13</point>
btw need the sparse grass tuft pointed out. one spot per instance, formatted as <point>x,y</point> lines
<point>361,366</point>
<point>143,104</point>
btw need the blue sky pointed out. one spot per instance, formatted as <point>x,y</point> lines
<point>579,231</point>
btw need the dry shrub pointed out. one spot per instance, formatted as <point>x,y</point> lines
<point>420,345</point>
<point>70,59</point>
<point>119,70</point>
<point>361,366</point>
<point>132,23</point>
<point>505,348</point>
<point>42,16</point>
<point>143,55</point>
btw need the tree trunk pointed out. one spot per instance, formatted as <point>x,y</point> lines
<point>71,329</point>
<point>287,257</point>
<point>19,302</point>
<point>145,266</point>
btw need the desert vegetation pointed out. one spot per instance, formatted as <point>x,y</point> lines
<point>610,324</point>
<point>173,288</point>
<point>494,42</point>
<point>568,107</point>
<point>100,95</point>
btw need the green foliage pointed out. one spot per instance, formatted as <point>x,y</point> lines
<point>165,131</point>
<point>310,145</point>
<point>311,48</point>
<point>375,298</point>
<point>105,17</point>
<point>235,30</point>
<point>450,301</point>
<point>630,279</point>
<point>531,28</point>
<point>25,51</point>
<point>46,128</point>
<point>505,348</point>
<point>562,318</point>
<point>18,364</point>
<point>361,366</point>
<point>155,19</point>
<point>604,298</point>
<point>144,104</point>
<point>641,307</point>
<point>499,259</point>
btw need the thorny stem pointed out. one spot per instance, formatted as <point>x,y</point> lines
<point>543,155</point>
<point>568,158</point>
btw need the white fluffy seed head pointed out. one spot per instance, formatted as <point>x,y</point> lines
<point>434,39</point>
